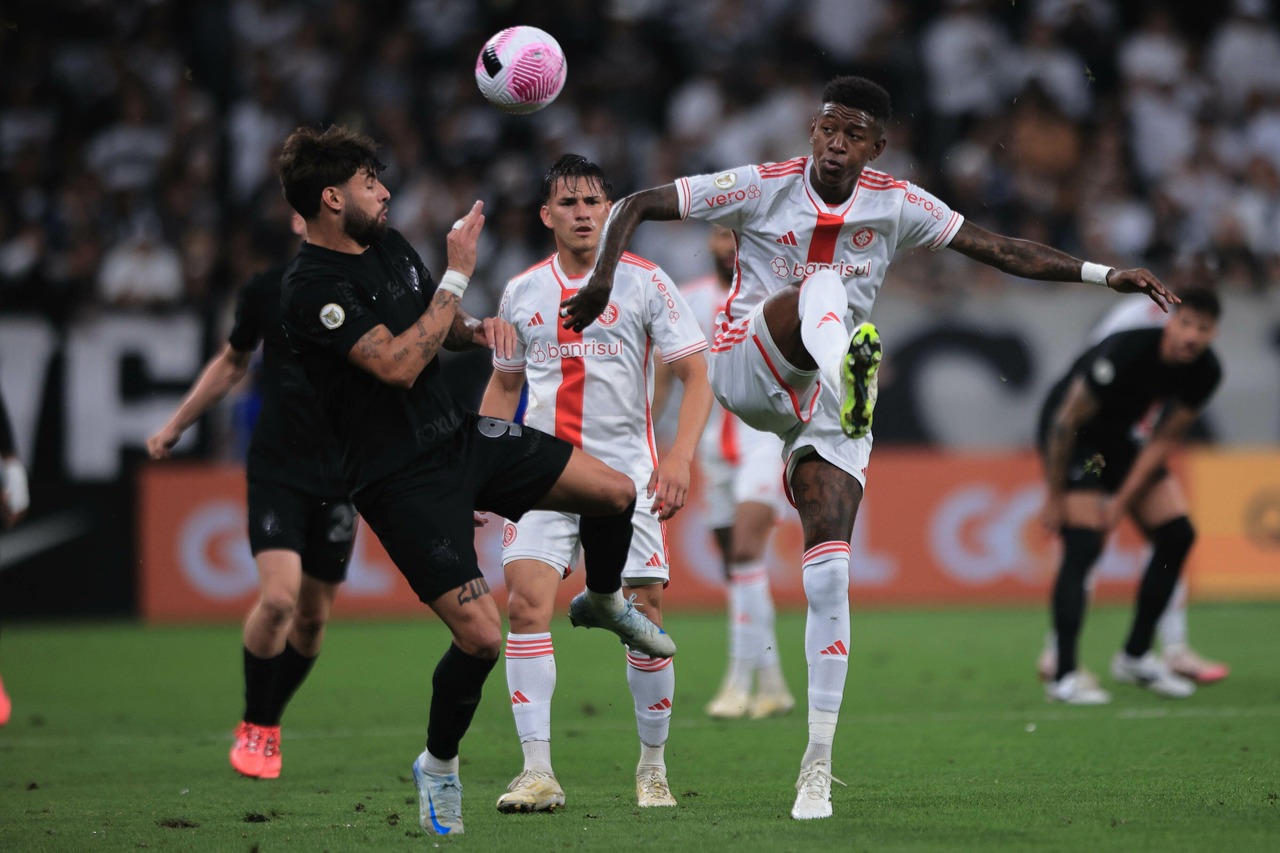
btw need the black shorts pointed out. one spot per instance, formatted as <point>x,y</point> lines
<point>1099,462</point>
<point>319,530</point>
<point>423,516</point>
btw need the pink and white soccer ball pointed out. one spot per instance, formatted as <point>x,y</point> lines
<point>521,70</point>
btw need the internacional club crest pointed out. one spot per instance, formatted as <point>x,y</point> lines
<point>609,316</point>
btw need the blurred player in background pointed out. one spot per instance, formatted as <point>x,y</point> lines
<point>593,390</point>
<point>742,477</point>
<point>1098,473</point>
<point>794,354</point>
<point>301,522</point>
<point>367,321</point>
<point>1138,312</point>
<point>14,500</point>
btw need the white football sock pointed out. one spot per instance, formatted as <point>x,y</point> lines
<point>531,682</point>
<point>823,304</point>
<point>610,603</point>
<point>1172,627</point>
<point>826,636</point>
<point>436,766</point>
<point>749,607</point>
<point>653,687</point>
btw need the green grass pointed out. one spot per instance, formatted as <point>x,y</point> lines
<point>120,733</point>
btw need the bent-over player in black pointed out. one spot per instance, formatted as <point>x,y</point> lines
<point>301,522</point>
<point>1098,472</point>
<point>367,321</point>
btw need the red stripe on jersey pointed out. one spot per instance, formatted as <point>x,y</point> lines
<point>636,260</point>
<point>534,267</point>
<point>791,392</point>
<point>773,170</point>
<point>822,246</point>
<point>729,439</point>
<point>573,383</point>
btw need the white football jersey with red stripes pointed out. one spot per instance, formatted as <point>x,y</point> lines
<point>594,388</point>
<point>786,233</point>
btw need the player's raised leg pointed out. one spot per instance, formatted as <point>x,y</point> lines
<point>606,500</point>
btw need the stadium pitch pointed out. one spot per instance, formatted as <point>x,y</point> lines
<point>120,734</point>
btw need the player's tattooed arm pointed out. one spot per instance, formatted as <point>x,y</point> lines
<point>473,591</point>
<point>1045,263</point>
<point>462,332</point>
<point>399,359</point>
<point>659,203</point>
<point>1014,256</point>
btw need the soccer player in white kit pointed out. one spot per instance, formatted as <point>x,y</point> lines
<point>795,354</point>
<point>742,482</point>
<point>594,390</point>
<point>1136,312</point>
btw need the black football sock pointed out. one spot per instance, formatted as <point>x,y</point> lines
<point>1080,548</point>
<point>259,685</point>
<point>606,542</point>
<point>292,670</point>
<point>455,693</point>
<point>1172,541</point>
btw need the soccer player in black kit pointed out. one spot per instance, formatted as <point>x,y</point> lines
<point>301,522</point>
<point>367,321</point>
<point>1098,472</point>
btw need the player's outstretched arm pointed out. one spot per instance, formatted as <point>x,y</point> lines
<point>1045,263</point>
<point>399,359</point>
<point>219,376</point>
<point>669,484</point>
<point>659,203</point>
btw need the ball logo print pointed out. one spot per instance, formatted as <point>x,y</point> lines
<point>521,70</point>
<point>725,181</point>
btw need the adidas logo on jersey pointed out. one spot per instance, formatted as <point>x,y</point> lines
<point>519,698</point>
<point>664,705</point>
<point>829,317</point>
<point>535,320</point>
<point>788,239</point>
<point>654,562</point>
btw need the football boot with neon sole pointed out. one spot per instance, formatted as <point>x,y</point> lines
<point>858,374</point>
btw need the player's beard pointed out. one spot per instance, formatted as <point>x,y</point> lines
<point>364,229</point>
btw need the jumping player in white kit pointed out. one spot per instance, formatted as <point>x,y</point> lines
<point>593,389</point>
<point>795,355</point>
<point>742,482</point>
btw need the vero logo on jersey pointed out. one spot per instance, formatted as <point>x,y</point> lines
<point>535,320</point>
<point>788,239</point>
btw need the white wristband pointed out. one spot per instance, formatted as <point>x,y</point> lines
<point>1095,273</point>
<point>454,282</point>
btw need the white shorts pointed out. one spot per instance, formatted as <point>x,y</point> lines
<point>553,538</point>
<point>751,379</point>
<point>755,475</point>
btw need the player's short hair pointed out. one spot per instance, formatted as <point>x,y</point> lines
<point>859,93</point>
<point>1201,299</point>
<point>313,159</point>
<point>570,168</point>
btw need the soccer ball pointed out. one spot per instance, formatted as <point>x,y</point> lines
<point>520,70</point>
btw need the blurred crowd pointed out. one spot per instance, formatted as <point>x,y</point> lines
<point>137,137</point>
